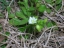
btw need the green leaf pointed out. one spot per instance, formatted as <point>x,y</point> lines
<point>56,28</point>
<point>48,10</point>
<point>58,7</point>
<point>39,27</point>
<point>40,22</point>
<point>21,3</point>
<point>26,36</point>
<point>7,33</point>
<point>1,14</point>
<point>0,27</point>
<point>20,14</point>
<point>4,40</point>
<point>26,1</point>
<point>31,9</point>
<point>42,8</point>
<point>16,21</point>
<point>38,4</point>
<point>36,1</point>
<point>28,14</point>
<point>49,1</point>
<point>29,28</point>
<point>11,15</point>
<point>53,23</point>
<point>19,36</point>
<point>4,2</point>
<point>24,21</point>
<point>58,1</point>
<point>1,0</point>
<point>22,29</point>
<point>45,20</point>
<point>24,10</point>
<point>26,4</point>
<point>8,9</point>
<point>3,6</point>
<point>3,46</point>
<point>49,24</point>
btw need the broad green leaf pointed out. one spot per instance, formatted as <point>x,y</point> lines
<point>31,9</point>
<point>26,5</point>
<point>4,40</point>
<point>20,14</point>
<point>8,9</point>
<point>36,1</point>
<point>16,21</point>
<point>24,21</point>
<point>0,27</point>
<point>58,1</point>
<point>3,6</point>
<point>20,36</point>
<point>56,28</point>
<point>49,24</point>
<point>29,28</point>
<point>22,29</point>
<point>42,8</point>
<point>26,1</point>
<point>1,14</point>
<point>53,23</point>
<point>49,1</point>
<point>4,2</point>
<point>24,10</point>
<point>58,7</point>
<point>28,14</point>
<point>21,3</point>
<point>48,10</point>
<point>26,36</point>
<point>11,15</point>
<point>40,22</point>
<point>7,33</point>
<point>38,4</point>
<point>39,27</point>
<point>3,46</point>
<point>1,0</point>
<point>45,20</point>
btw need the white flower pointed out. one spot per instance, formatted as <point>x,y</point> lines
<point>32,20</point>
